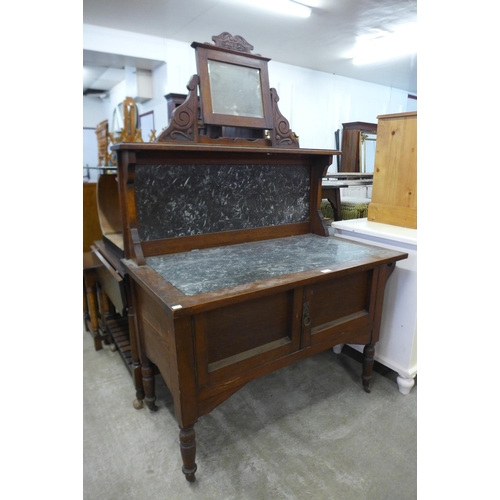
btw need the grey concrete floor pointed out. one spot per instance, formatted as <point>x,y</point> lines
<point>308,431</point>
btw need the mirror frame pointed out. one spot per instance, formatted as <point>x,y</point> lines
<point>206,53</point>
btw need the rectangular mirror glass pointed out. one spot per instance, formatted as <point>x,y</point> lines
<point>235,90</point>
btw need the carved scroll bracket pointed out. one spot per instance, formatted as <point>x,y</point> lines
<point>184,123</point>
<point>282,135</point>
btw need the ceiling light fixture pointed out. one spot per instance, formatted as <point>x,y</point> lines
<point>403,41</point>
<point>283,7</point>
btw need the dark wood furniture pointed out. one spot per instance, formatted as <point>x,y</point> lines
<point>173,102</point>
<point>106,311</point>
<point>91,226</point>
<point>111,282</point>
<point>90,298</point>
<point>210,311</point>
<point>351,136</point>
<point>117,320</point>
<point>91,231</point>
<point>231,273</point>
<point>332,183</point>
<point>332,194</point>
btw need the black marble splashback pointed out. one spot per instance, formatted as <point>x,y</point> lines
<point>185,200</point>
<point>206,270</point>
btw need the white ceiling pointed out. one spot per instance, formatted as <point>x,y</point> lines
<point>321,42</point>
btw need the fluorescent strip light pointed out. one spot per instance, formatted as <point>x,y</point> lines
<point>389,46</point>
<point>283,7</point>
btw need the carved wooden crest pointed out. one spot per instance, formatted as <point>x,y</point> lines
<point>236,42</point>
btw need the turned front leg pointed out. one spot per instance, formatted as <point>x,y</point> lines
<point>187,440</point>
<point>368,359</point>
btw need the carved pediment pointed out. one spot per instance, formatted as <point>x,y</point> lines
<point>236,42</point>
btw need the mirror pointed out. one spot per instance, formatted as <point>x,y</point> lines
<point>234,87</point>
<point>235,90</point>
<point>367,148</point>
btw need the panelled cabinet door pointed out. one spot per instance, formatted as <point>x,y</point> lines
<point>246,335</point>
<point>339,310</point>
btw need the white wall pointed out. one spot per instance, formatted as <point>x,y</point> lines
<point>95,110</point>
<point>315,103</point>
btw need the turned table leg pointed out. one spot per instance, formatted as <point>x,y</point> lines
<point>107,313</point>
<point>90,300</point>
<point>368,359</point>
<point>187,440</point>
<point>91,287</point>
<point>148,381</point>
<point>136,365</point>
<point>86,315</point>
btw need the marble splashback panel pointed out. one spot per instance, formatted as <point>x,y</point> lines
<point>185,200</point>
<point>206,270</point>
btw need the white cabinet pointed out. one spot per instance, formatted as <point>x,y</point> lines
<point>397,346</point>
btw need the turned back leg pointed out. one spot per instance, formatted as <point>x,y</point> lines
<point>368,359</point>
<point>148,383</point>
<point>136,364</point>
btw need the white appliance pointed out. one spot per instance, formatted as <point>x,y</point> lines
<point>397,346</point>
